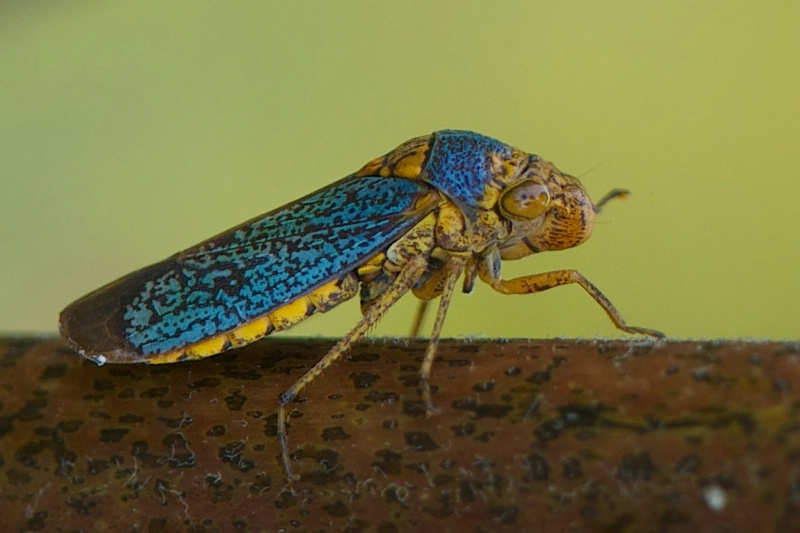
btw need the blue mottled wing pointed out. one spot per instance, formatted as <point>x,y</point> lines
<point>245,272</point>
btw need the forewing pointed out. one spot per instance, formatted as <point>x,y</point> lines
<point>247,271</point>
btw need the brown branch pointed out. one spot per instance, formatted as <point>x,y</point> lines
<point>552,435</point>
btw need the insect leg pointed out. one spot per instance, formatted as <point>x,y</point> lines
<point>406,278</point>
<point>419,316</point>
<point>453,269</point>
<point>548,280</point>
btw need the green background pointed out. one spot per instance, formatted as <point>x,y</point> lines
<point>131,130</point>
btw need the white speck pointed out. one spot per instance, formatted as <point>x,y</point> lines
<point>100,360</point>
<point>716,497</point>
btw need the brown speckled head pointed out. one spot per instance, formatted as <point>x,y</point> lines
<point>570,219</point>
<point>568,216</point>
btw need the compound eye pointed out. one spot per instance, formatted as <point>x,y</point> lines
<point>527,199</point>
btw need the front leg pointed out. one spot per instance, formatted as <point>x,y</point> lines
<point>548,280</point>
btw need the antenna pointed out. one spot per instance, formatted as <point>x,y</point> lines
<point>614,193</point>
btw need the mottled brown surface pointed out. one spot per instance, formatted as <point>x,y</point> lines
<point>557,435</point>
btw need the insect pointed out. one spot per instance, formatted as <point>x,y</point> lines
<point>437,207</point>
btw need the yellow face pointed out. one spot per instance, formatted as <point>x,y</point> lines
<point>547,210</point>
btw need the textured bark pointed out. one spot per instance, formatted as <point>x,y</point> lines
<point>556,435</point>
